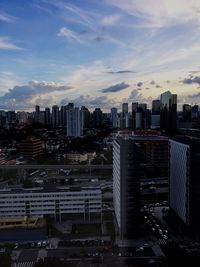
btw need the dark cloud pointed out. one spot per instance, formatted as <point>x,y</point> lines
<point>194,71</point>
<point>91,102</point>
<point>152,82</point>
<point>147,88</point>
<point>115,88</point>
<point>139,84</point>
<point>135,95</point>
<point>22,96</point>
<point>158,86</point>
<point>99,39</point>
<point>120,72</point>
<point>192,80</point>
<point>194,96</point>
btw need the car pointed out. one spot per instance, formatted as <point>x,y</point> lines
<point>153,230</point>
<point>44,243</point>
<point>32,245</point>
<point>165,237</point>
<point>139,249</point>
<point>16,246</point>
<point>39,244</point>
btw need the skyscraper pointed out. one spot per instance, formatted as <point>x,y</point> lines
<point>97,117</point>
<point>168,113</point>
<point>47,116</point>
<point>114,117</point>
<point>55,116</point>
<point>74,122</point>
<point>126,187</point>
<point>184,190</point>
<point>63,115</point>
<point>155,115</point>
<point>124,108</point>
<point>134,110</point>
<point>85,113</point>
<point>186,112</point>
<point>37,113</point>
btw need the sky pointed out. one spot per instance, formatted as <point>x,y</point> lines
<point>98,53</point>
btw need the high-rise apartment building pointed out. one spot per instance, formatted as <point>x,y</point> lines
<point>126,187</point>
<point>124,108</point>
<point>85,113</point>
<point>74,122</point>
<point>155,114</point>
<point>47,116</point>
<point>114,117</point>
<point>97,117</point>
<point>55,116</point>
<point>37,113</point>
<point>186,113</point>
<point>184,182</point>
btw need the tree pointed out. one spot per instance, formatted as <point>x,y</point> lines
<point>5,259</point>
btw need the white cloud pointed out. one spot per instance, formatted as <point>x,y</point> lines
<point>26,96</point>
<point>160,13</point>
<point>6,18</point>
<point>7,44</point>
<point>69,34</point>
<point>110,20</point>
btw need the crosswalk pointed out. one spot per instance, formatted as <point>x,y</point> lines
<point>25,264</point>
<point>162,242</point>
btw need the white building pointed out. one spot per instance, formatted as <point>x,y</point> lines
<point>184,182</point>
<point>74,122</point>
<point>40,202</point>
<point>179,183</point>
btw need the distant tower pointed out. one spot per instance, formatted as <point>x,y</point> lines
<point>168,112</point>
<point>37,113</point>
<point>114,117</point>
<point>155,115</point>
<point>74,122</point>
<point>97,117</point>
<point>47,116</point>
<point>86,117</point>
<point>55,116</point>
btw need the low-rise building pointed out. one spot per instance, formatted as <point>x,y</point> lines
<point>54,202</point>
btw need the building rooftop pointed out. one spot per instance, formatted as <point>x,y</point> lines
<point>48,188</point>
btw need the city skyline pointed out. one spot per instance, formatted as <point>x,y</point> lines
<point>98,54</point>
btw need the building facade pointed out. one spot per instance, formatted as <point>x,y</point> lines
<point>126,187</point>
<point>74,122</point>
<point>40,202</point>
<point>184,182</point>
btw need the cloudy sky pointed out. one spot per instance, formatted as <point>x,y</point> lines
<point>98,53</point>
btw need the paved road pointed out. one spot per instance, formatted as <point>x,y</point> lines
<point>72,167</point>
